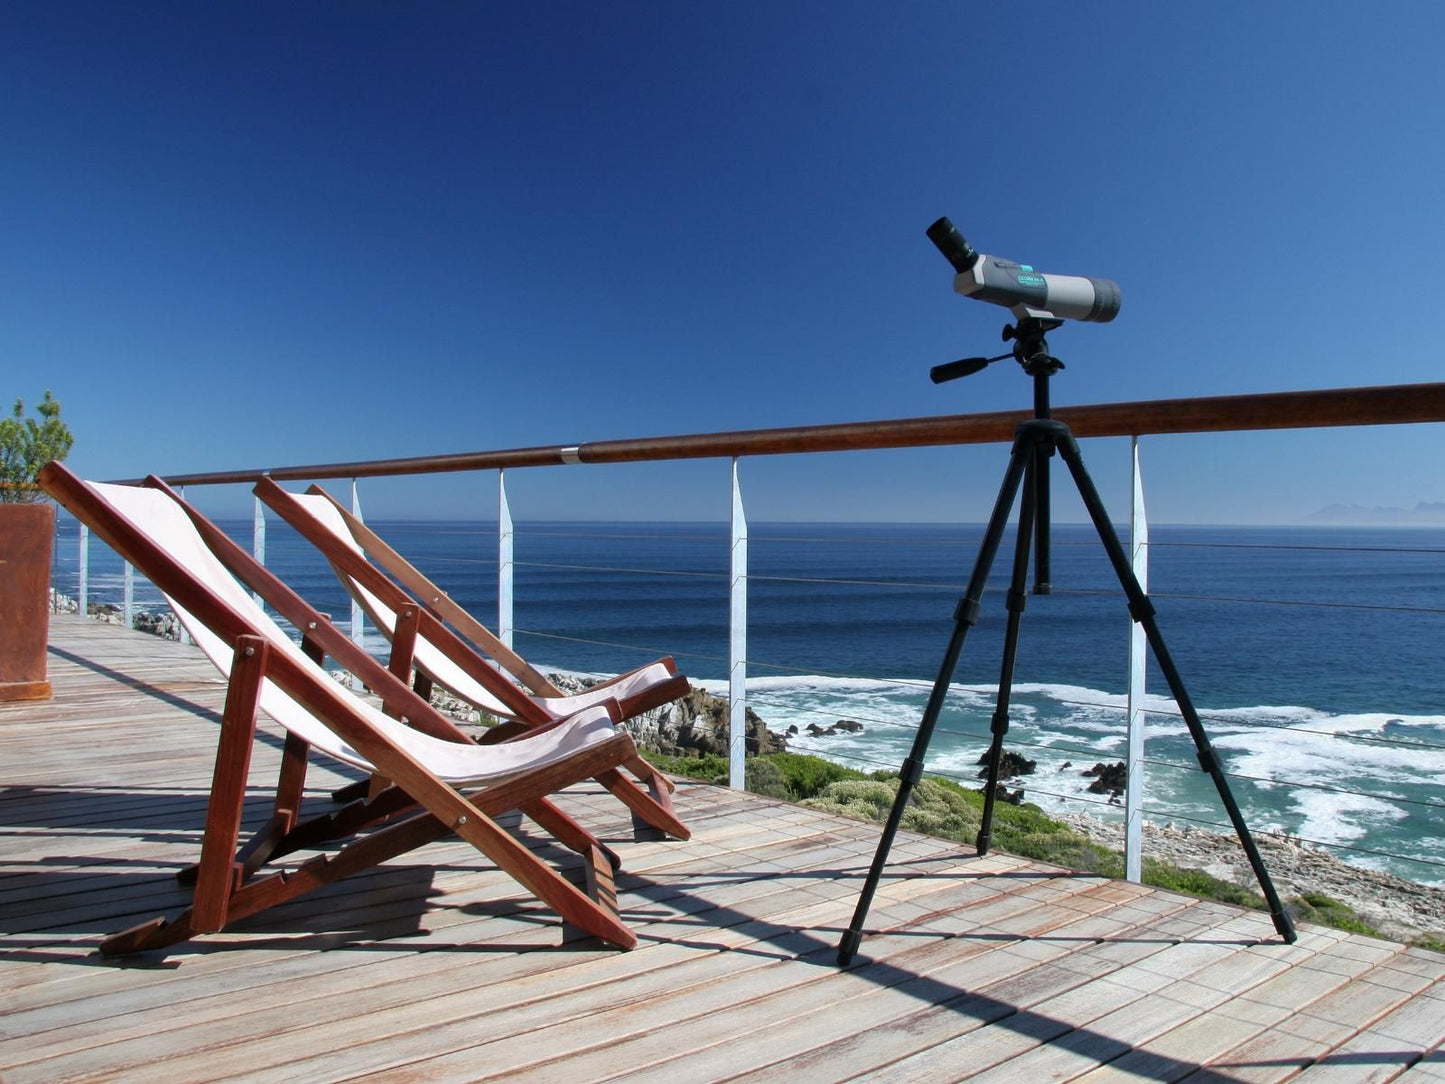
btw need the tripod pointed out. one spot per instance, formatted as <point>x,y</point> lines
<point>1035,442</point>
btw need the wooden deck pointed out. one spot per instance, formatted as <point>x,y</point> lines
<point>438,968</point>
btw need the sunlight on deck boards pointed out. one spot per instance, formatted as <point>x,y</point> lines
<point>436,967</point>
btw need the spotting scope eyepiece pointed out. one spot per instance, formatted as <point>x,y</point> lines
<point>1018,287</point>
<point>946,238</point>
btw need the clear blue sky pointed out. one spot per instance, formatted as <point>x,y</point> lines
<point>243,235</point>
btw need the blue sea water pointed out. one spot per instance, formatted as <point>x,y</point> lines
<point>1314,654</point>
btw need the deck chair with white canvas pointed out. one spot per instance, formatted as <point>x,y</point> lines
<point>442,783</point>
<point>451,647</point>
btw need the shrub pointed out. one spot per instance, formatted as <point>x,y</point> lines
<point>27,445</point>
<point>766,778</point>
<point>861,799</point>
<point>805,775</point>
<point>1328,911</point>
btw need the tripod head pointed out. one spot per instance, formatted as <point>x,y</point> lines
<point>1040,302</point>
<point>1030,350</point>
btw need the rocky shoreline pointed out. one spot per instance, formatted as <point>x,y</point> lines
<point>1398,908</point>
<point>162,624</point>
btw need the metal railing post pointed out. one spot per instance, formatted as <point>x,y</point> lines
<point>738,639</point>
<point>127,605</point>
<point>1134,760</point>
<point>258,541</point>
<point>358,617</point>
<point>82,587</point>
<point>504,561</point>
<point>181,629</point>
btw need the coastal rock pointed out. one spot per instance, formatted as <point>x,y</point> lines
<point>162,624</point>
<point>1001,793</point>
<point>1109,779</point>
<point>1010,765</point>
<point>695,725</point>
<point>842,726</point>
<point>105,612</point>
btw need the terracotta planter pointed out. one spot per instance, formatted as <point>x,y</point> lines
<point>27,533</point>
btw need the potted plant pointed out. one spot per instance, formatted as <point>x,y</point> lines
<point>27,531</point>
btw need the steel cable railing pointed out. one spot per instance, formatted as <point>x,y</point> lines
<point>1339,407</point>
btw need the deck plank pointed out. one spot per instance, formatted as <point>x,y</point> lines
<point>437,967</point>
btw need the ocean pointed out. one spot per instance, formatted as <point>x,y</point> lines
<point>1313,654</point>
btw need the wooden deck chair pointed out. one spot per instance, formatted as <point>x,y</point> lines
<point>475,664</point>
<point>458,785</point>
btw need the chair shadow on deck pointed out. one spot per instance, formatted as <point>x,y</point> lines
<point>165,696</point>
<point>55,906</point>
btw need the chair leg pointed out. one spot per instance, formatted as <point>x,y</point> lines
<point>292,782</point>
<point>654,808</point>
<point>219,872</point>
<point>601,889</point>
<point>567,831</point>
<point>598,916</point>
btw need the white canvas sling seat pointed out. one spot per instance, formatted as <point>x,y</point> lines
<point>446,673</point>
<point>457,763</point>
<point>476,669</point>
<point>418,765</point>
<point>446,644</point>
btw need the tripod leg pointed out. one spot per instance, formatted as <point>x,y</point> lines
<point>964,618</point>
<point>1142,611</point>
<point>1029,513</point>
<point>1043,561</point>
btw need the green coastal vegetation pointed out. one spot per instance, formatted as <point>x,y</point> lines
<point>26,445</point>
<point>947,809</point>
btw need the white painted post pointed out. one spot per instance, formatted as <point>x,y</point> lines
<point>185,636</point>
<point>82,589</point>
<point>358,616</point>
<point>258,540</point>
<point>504,561</point>
<point>738,640</point>
<point>1134,786</point>
<point>127,606</point>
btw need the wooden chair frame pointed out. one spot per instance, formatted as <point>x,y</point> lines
<point>423,610</point>
<point>226,888</point>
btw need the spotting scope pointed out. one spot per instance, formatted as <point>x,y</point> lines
<point>1017,286</point>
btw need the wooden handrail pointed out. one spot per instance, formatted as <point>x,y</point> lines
<point>1388,405</point>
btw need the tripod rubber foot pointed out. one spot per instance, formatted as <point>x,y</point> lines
<point>848,947</point>
<point>1285,927</point>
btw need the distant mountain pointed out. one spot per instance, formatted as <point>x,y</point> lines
<point>1424,513</point>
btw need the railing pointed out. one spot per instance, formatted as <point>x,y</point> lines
<point>1345,407</point>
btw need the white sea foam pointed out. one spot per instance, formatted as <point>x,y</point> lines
<point>1326,722</point>
<point>1287,755</point>
<point>1341,818</point>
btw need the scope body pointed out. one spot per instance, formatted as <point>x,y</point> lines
<point>1017,286</point>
